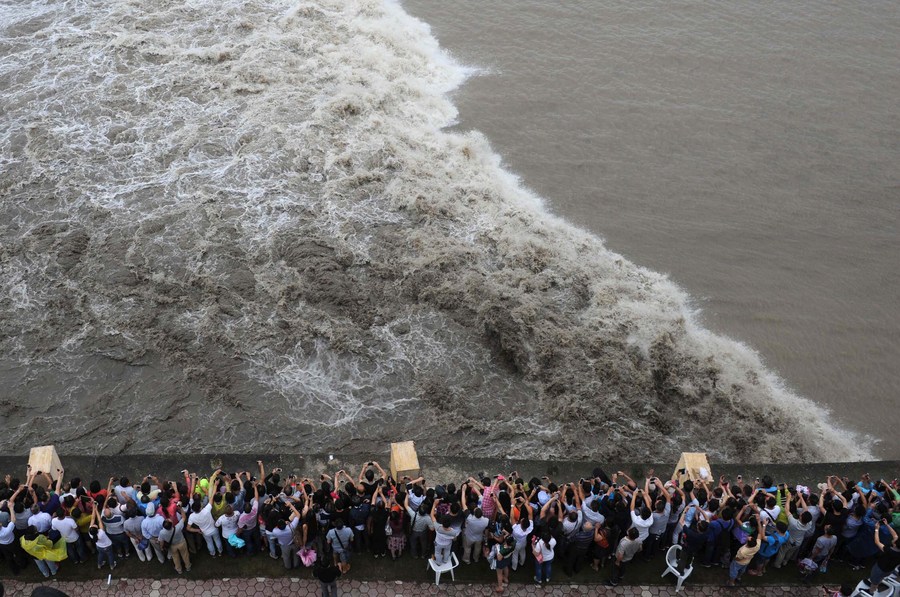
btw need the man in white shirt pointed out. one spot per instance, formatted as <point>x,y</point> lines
<point>520,533</point>
<point>770,513</point>
<point>68,528</point>
<point>39,520</point>
<point>644,520</point>
<point>124,491</point>
<point>228,522</point>
<point>201,521</point>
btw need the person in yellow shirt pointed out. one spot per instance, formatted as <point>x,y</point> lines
<point>745,554</point>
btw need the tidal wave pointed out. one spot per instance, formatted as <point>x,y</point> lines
<point>243,226</point>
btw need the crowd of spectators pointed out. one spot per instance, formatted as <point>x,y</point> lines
<point>506,522</point>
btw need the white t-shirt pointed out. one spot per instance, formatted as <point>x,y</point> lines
<point>520,534</point>
<point>204,520</point>
<point>103,540</point>
<point>643,526</point>
<point>546,548</point>
<point>569,526</point>
<point>67,527</point>
<point>6,533</point>
<point>415,501</point>
<point>228,524</point>
<point>123,493</point>
<point>768,514</point>
<point>41,521</point>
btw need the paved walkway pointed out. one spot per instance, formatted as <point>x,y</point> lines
<point>266,587</point>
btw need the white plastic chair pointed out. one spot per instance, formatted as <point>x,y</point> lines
<point>892,582</point>
<point>863,589</point>
<point>672,567</point>
<point>445,567</point>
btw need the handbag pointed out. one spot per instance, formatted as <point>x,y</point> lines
<point>387,529</point>
<point>536,551</point>
<point>307,556</point>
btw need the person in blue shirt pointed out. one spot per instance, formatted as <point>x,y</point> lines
<point>768,547</point>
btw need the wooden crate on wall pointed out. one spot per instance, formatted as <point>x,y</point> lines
<point>45,459</point>
<point>404,461</point>
<point>692,465</point>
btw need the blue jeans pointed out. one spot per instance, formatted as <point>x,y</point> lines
<point>254,542</point>
<point>735,571</point>
<point>542,570</point>
<point>120,544</point>
<point>76,551</point>
<point>106,556</point>
<point>877,575</point>
<point>47,567</point>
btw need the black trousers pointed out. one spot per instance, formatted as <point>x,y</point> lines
<point>14,556</point>
<point>575,557</point>
<point>618,572</point>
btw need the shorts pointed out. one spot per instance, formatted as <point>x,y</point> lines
<point>342,555</point>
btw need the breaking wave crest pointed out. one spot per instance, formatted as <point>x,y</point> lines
<point>242,226</point>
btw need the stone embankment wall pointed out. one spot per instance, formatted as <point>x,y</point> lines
<point>436,469</point>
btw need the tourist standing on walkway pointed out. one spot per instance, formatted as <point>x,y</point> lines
<point>629,546</point>
<point>172,539</point>
<point>745,554</point>
<point>45,553</point>
<point>889,556</point>
<point>102,541</point>
<point>201,519</point>
<point>544,551</point>
<point>503,553</point>
<point>520,533</point>
<point>340,540</point>
<point>150,527</point>
<point>284,532</point>
<point>444,535</point>
<point>473,533</point>
<point>327,574</point>
<point>378,524</point>
<point>68,528</point>
<point>420,523</point>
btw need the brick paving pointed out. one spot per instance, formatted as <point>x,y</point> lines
<point>266,587</point>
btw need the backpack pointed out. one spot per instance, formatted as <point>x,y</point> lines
<point>723,542</point>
